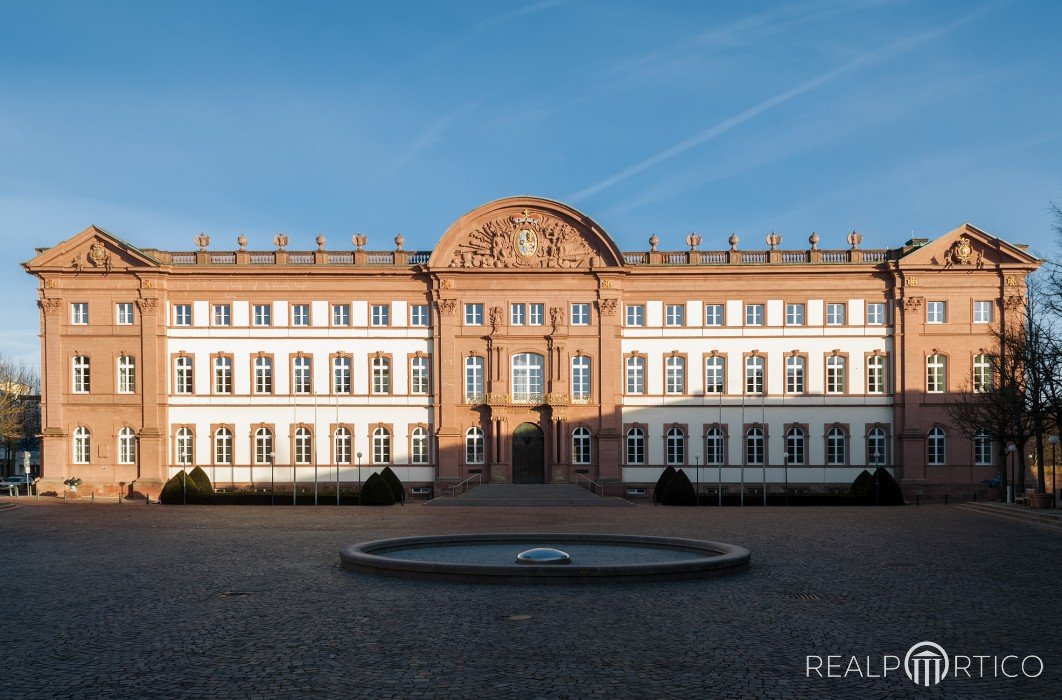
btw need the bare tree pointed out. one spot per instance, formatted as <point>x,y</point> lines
<point>19,408</point>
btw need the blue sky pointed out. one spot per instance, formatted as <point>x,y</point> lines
<point>159,120</point>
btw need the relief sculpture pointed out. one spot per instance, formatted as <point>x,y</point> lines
<point>527,239</point>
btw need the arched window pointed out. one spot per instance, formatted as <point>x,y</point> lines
<point>635,446</point>
<point>342,445</point>
<point>714,374</point>
<point>303,446</point>
<point>675,371</point>
<point>836,447</point>
<point>263,446</point>
<point>984,455</point>
<point>381,446</point>
<point>473,379</point>
<point>754,446</point>
<point>982,373</point>
<point>676,446</point>
<point>527,377</point>
<point>222,375</point>
<point>474,446</point>
<point>795,446</point>
<point>580,378</point>
<point>635,375</point>
<point>126,374</point>
<point>581,447</point>
<point>936,374</point>
<point>185,446</point>
<point>82,375</point>
<point>381,375</point>
<point>754,374</point>
<point>126,446</point>
<point>937,448</point>
<point>794,374</point>
<point>836,375</point>
<point>419,446</point>
<point>713,447</point>
<point>223,446</point>
<point>82,445</point>
<point>184,378</point>
<point>877,448</point>
<point>263,375</point>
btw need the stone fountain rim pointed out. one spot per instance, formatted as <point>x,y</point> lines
<point>708,558</point>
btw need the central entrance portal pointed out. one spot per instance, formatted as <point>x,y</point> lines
<point>529,455</point>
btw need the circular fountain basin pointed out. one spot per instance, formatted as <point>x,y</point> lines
<point>491,558</point>
<point>546,556</point>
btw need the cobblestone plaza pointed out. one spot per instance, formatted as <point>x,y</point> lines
<point>167,601</point>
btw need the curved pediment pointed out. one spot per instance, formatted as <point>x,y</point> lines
<point>525,233</point>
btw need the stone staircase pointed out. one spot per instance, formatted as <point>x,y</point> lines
<point>519,495</point>
<point>1049,519</point>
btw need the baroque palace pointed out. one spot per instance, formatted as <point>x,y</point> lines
<point>527,348</point>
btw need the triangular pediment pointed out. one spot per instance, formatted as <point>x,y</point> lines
<point>92,249</point>
<point>968,247</point>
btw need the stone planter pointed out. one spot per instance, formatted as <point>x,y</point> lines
<point>1040,500</point>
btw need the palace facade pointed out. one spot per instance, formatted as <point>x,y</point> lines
<point>526,347</point>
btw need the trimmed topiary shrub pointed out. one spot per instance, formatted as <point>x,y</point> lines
<point>863,485</point>
<point>376,492</point>
<point>174,490</point>
<point>888,490</point>
<point>679,491</point>
<point>662,482</point>
<point>397,490</point>
<point>202,482</point>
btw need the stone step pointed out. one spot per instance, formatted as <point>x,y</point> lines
<point>1017,514</point>
<point>520,495</point>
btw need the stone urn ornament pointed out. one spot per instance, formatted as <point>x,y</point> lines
<point>280,241</point>
<point>813,239</point>
<point>733,240</point>
<point>693,240</point>
<point>774,239</point>
<point>400,241</point>
<point>854,239</point>
<point>241,241</point>
<point>202,240</point>
<point>320,240</point>
<point>654,241</point>
<point>359,240</point>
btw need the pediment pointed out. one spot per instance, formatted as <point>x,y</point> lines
<point>525,233</point>
<point>92,249</point>
<point>968,247</point>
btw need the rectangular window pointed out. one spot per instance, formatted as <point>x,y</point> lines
<point>126,375</point>
<point>713,314</point>
<point>473,379</point>
<point>300,314</point>
<point>418,378</point>
<point>936,369</point>
<point>675,315</point>
<point>381,314</point>
<point>222,315</point>
<point>794,374</point>
<point>535,314</point>
<point>182,315</point>
<point>935,311</point>
<point>183,375</point>
<point>635,315</point>
<point>263,314</point>
<point>518,314</point>
<point>263,375</point>
<point>473,314</point>
<point>983,452</point>
<point>302,376</point>
<point>418,315</point>
<point>876,314</point>
<point>341,375</point>
<point>222,375</point>
<point>340,314</point>
<point>381,375</point>
<point>982,312</point>
<point>82,374</point>
<point>754,374</point>
<point>635,375</point>
<point>580,378</point>
<point>753,314</point>
<point>794,314</point>
<point>79,313</point>
<point>125,314</point>
<point>876,374</point>
<point>835,314</point>
<point>675,371</point>
<point>580,314</point>
<point>714,374</point>
<point>836,375</point>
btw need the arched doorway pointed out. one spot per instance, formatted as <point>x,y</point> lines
<point>529,455</point>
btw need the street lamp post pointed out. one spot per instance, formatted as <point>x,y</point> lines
<point>697,500</point>
<point>785,472</point>
<point>359,478</point>
<point>877,485</point>
<point>1053,439</point>
<point>272,479</point>
<point>1012,450</point>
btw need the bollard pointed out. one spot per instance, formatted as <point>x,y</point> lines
<point>918,499</point>
<point>92,497</point>
<point>945,499</point>
<point>119,498</point>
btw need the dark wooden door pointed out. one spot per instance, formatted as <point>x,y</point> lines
<point>529,455</point>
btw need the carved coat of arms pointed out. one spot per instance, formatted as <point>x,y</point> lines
<point>527,239</point>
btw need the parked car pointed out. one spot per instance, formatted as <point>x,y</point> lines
<point>20,481</point>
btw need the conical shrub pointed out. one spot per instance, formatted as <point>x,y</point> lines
<point>889,493</point>
<point>662,482</point>
<point>863,485</point>
<point>202,482</point>
<point>679,491</point>
<point>397,490</point>
<point>174,491</point>
<point>376,492</point>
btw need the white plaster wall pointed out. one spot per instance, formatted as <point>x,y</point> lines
<point>654,314</point>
